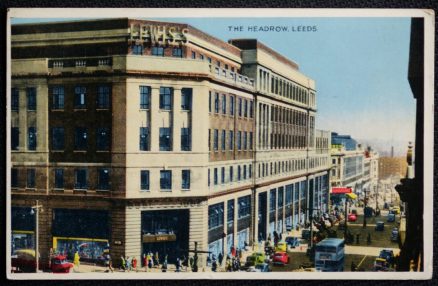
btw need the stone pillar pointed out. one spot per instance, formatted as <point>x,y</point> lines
<point>255,220</point>
<point>118,222</point>
<point>155,124</point>
<point>235,222</point>
<point>45,232</point>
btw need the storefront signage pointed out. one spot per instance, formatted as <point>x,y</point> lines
<point>341,190</point>
<point>159,238</point>
<point>156,33</point>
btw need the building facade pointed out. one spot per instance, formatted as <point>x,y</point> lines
<point>150,136</point>
<point>392,166</point>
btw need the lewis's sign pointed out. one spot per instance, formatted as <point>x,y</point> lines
<point>158,34</point>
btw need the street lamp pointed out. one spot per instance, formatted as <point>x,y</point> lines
<point>35,210</point>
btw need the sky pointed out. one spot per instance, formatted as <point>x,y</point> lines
<point>359,65</point>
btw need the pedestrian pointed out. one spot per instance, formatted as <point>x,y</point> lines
<point>144,262</point>
<point>108,263</point>
<point>214,265</point>
<point>228,264</point>
<point>164,266</point>
<point>76,259</point>
<point>233,251</point>
<point>156,259</point>
<point>191,262</point>
<point>149,259</point>
<point>134,264</point>
<point>128,263</point>
<point>178,265</point>
<point>123,263</point>
<point>220,258</point>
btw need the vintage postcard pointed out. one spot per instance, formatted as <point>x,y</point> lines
<point>220,144</point>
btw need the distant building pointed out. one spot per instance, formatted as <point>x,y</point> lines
<point>389,166</point>
<point>346,141</point>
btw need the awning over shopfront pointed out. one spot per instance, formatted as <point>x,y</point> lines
<point>341,190</point>
<point>351,196</point>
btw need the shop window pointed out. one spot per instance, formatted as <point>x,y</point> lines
<point>145,97</point>
<point>15,99</point>
<point>144,138</point>
<point>81,138</point>
<point>158,51</point>
<point>177,52</point>
<point>15,138</point>
<point>80,94</point>
<point>244,206</point>
<point>186,139</point>
<point>166,180</point>
<point>166,94</point>
<point>81,179</point>
<point>103,139</point>
<point>58,138</point>
<point>137,50</point>
<point>103,97</point>
<point>59,178</point>
<point>31,98</point>
<point>14,178</point>
<point>144,180</point>
<point>230,211</point>
<point>185,174</point>
<point>58,97</point>
<point>272,200</point>
<point>186,99</point>
<point>103,180</point>
<point>165,139</point>
<point>30,178</point>
<point>215,216</point>
<point>31,138</point>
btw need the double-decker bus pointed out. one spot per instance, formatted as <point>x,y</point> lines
<point>329,255</point>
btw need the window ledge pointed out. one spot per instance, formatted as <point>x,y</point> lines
<point>57,110</point>
<point>166,190</point>
<point>185,190</point>
<point>31,189</point>
<point>79,151</point>
<point>79,109</point>
<point>102,109</point>
<point>102,151</point>
<point>57,151</point>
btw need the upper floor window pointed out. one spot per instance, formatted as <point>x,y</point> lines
<point>239,169</point>
<point>245,141</point>
<point>186,98</point>
<point>250,171</point>
<point>216,102</point>
<point>166,180</point>
<point>144,138</point>
<point>81,179</point>
<point>224,104</point>
<point>240,106</point>
<point>208,59</point>
<point>158,51</point>
<point>193,55</point>
<point>166,94</point>
<point>185,183</point>
<point>58,138</point>
<point>186,140</point>
<point>59,178</point>
<point>137,49</point>
<point>250,141</point>
<point>245,108</point>
<point>215,176</point>
<point>231,105</point>
<point>80,93</point>
<point>231,140</point>
<point>216,140</point>
<point>31,98</point>
<point>103,180</point>
<point>14,178</point>
<point>103,97</point>
<point>144,180</point>
<point>201,56</point>
<point>145,97</point>
<point>177,52</point>
<point>15,138</point>
<point>165,139</point>
<point>58,97</point>
<point>251,109</point>
<point>231,174</point>
<point>209,101</point>
<point>244,172</point>
<point>81,138</point>
<point>223,175</point>
<point>103,139</point>
<point>31,138</point>
<point>30,178</point>
<point>223,138</point>
<point>239,140</point>
<point>15,99</point>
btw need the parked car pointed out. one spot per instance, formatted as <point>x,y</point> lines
<point>391,217</point>
<point>396,210</point>
<point>368,211</point>
<point>354,212</point>
<point>281,246</point>
<point>305,234</point>
<point>288,227</point>
<point>280,258</point>
<point>263,267</point>
<point>394,234</point>
<point>23,260</point>
<point>381,264</point>
<point>387,254</point>
<point>292,241</point>
<point>380,226</point>
<point>352,217</point>
<point>60,264</point>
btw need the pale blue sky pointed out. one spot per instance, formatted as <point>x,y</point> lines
<point>359,65</point>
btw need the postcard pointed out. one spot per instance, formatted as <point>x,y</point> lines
<point>220,144</point>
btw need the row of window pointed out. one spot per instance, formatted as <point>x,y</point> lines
<point>80,179</point>
<point>202,57</point>
<point>31,138</point>
<point>81,97</point>
<point>243,140</point>
<point>291,90</point>
<point>243,173</point>
<point>165,139</point>
<point>166,98</point>
<point>245,107</point>
<point>165,180</point>
<point>31,99</point>
<point>157,51</point>
<point>216,212</point>
<point>275,168</point>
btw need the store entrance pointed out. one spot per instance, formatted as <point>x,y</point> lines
<point>165,232</point>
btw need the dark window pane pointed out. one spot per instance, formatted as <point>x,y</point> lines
<point>177,52</point>
<point>14,178</point>
<point>186,139</point>
<point>59,178</point>
<point>137,49</point>
<point>58,97</point>
<point>166,94</point>
<point>15,138</point>
<point>31,98</point>
<point>166,180</point>
<point>80,97</point>
<point>144,138</point>
<point>185,179</point>
<point>81,138</point>
<point>103,139</point>
<point>15,99</point>
<point>145,97</point>
<point>158,51</point>
<point>103,97</point>
<point>103,183</point>
<point>81,179</point>
<point>31,139</point>
<point>144,180</point>
<point>30,178</point>
<point>186,99</point>
<point>165,139</point>
<point>57,138</point>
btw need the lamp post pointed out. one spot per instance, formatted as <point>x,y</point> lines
<point>365,210</point>
<point>35,210</point>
